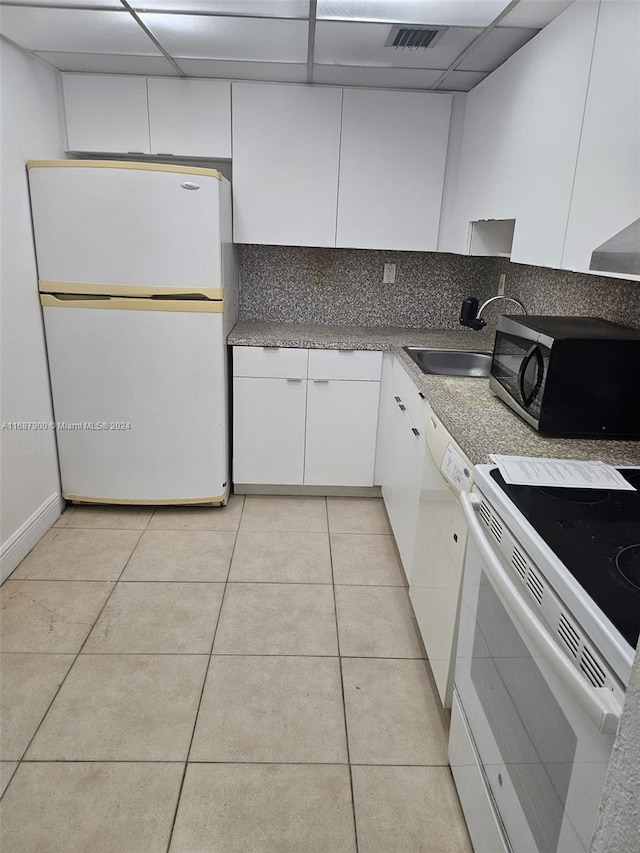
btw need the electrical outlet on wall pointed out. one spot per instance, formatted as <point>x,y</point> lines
<point>501,281</point>
<point>389,274</point>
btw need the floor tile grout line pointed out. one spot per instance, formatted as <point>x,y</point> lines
<point>77,654</point>
<point>221,655</point>
<point>204,682</point>
<point>305,763</point>
<point>344,704</point>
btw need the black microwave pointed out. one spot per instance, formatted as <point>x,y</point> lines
<point>569,376</point>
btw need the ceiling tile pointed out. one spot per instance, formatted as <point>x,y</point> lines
<point>498,45</point>
<point>348,43</point>
<point>378,78</point>
<point>273,72</point>
<point>462,81</point>
<point>465,13</point>
<point>258,39</point>
<point>100,63</point>
<point>534,13</point>
<point>257,8</point>
<point>94,4</point>
<point>75,30</point>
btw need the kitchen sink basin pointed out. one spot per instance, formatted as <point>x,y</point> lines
<point>451,362</point>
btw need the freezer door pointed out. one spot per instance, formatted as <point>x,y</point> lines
<point>126,229</point>
<point>140,401</point>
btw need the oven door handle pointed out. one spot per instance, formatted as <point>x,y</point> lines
<point>598,702</point>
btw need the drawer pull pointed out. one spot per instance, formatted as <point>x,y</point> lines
<point>292,379</point>
<point>397,399</point>
<point>323,381</point>
<point>434,423</point>
<point>402,408</point>
<point>271,349</point>
<point>415,431</point>
<point>421,395</point>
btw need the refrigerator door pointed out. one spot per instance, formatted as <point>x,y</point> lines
<point>139,399</point>
<point>127,229</point>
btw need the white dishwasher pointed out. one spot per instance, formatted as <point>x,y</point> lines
<point>441,539</point>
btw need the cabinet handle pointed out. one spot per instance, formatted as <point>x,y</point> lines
<point>415,431</point>
<point>434,424</point>
<point>321,380</point>
<point>397,399</point>
<point>271,349</point>
<point>421,395</point>
<point>350,351</point>
<point>402,408</point>
<point>294,380</point>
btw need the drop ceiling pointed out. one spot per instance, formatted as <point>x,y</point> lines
<point>339,42</point>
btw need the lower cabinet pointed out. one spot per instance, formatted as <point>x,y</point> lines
<point>340,442</point>
<point>401,454</point>
<point>268,430</point>
<point>304,417</point>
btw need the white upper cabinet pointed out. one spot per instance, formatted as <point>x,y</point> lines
<point>156,115</point>
<point>606,194</point>
<point>392,160</point>
<point>286,148</point>
<point>563,53</point>
<point>291,142</point>
<point>106,113</point>
<point>494,142</point>
<point>190,117</point>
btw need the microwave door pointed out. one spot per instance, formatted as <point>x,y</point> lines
<point>531,376</point>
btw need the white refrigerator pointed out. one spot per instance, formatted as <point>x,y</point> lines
<point>138,283</point>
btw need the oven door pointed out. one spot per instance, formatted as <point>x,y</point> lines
<point>542,734</point>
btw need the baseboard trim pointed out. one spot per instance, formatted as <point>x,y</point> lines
<point>27,536</point>
<point>313,491</point>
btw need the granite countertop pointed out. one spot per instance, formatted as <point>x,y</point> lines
<point>477,420</point>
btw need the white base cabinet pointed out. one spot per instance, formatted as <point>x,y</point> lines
<point>305,417</point>
<point>269,429</point>
<point>340,443</point>
<point>400,459</point>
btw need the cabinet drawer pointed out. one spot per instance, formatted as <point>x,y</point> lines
<point>345,364</point>
<point>270,362</point>
<point>410,397</point>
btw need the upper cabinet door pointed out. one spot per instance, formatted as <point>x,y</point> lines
<point>563,53</point>
<point>392,160</point>
<point>495,140</point>
<point>286,147</point>
<point>191,118</point>
<point>106,113</point>
<point>606,194</point>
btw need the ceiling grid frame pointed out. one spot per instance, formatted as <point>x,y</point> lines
<point>371,68</point>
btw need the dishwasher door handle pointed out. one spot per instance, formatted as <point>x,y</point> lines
<point>598,702</point>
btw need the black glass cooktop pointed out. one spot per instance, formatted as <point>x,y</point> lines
<point>596,534</point>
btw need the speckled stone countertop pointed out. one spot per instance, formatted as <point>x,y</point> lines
<point>477,420</point>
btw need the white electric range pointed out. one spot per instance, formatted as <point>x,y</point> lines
<point>549,621</point>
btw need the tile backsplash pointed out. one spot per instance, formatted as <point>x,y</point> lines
<point>344,286</point>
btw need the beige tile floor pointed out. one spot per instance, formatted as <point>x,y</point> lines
<point>220,681</point>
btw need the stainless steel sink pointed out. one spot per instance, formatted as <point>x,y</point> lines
<point>451,362</point>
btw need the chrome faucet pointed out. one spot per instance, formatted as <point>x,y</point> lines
<point>470,313</point>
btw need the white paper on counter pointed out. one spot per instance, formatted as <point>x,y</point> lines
<point>568,473</point>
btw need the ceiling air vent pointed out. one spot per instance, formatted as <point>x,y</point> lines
<point>410,35</point>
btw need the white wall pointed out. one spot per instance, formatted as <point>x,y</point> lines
<point>32,128</point>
